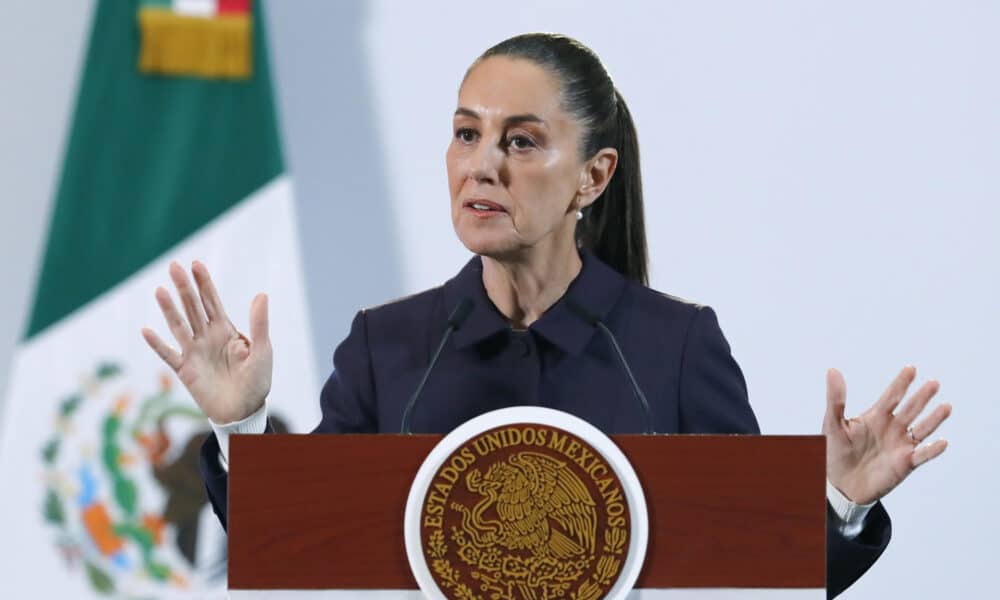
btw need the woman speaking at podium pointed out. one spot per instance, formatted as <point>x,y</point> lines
<point>543,173</point>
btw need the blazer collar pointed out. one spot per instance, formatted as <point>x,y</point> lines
<point>597,288</point>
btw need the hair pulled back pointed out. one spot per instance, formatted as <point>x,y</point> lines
<point>613,227</point>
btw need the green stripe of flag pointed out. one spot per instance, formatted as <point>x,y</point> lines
<point>150,159</point>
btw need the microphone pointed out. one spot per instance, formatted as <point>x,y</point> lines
<point>455,320</point>
<point>594,321</point>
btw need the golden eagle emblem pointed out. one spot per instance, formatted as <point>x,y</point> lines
<point>525,512</point>
<point>540,505</point>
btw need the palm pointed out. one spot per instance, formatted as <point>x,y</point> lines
<point>869,455</point>
<point>227,374</point>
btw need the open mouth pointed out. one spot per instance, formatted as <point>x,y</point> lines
<point>482,207</point>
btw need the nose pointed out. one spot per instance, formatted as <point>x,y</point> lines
<point>486,163</point>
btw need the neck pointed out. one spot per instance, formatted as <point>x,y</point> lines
<point>523,289</point>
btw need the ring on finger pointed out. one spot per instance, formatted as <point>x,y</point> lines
<point>913,436</point>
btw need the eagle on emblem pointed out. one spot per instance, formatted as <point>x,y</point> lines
<point>539,503</point>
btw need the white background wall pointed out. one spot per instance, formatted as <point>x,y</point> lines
<point>824,174</point>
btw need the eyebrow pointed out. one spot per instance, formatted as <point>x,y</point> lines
<point>511,120</point>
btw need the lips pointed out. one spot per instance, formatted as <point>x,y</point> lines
<point>482,205</point>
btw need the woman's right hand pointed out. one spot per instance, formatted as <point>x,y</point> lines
<point>228,375</point>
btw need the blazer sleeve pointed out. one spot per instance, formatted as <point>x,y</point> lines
<point>215,478</point>
<point>848,559</point>
<point>347,402</point>
<point>713,399</point>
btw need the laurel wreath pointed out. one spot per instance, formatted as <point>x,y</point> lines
<point>614,540</point>
<point>438,550</point>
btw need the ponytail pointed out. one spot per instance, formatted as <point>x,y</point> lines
<point>613,227</point>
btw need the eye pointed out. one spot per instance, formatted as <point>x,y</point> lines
<point>466,135</point>
<point>520,142</point>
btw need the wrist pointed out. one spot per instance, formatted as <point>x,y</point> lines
<point>851,493</point>
<point>255,423</point>
<point>235,416</point>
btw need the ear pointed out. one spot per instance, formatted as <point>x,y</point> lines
<point>596,175</point>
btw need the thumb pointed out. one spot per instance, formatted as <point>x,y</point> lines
<point>258,320</point>
<point>836,400</point>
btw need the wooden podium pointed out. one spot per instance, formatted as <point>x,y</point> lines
<point>325,512</point>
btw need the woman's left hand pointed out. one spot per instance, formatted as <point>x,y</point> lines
<point>869,455</point>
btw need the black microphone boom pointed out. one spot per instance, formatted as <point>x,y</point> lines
<point>455,320</point>
<point>595,321</point>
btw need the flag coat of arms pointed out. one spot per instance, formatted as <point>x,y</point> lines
<point>173,154</point>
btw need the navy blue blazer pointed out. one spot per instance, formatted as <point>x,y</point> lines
<point>675,348</point>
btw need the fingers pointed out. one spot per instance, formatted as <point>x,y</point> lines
<point>168,354</point>
<point>209,296</point>
<point>927,426</point>
<point>178,327</point>
<point>896,390</point>
<point>917,402</point>
<point>836,400</point>
<point>258,320</point>
<point>925,453</point>
<point>189,299</point>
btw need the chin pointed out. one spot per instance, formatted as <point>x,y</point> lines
<point>491,248</point>
<point>487,243</point>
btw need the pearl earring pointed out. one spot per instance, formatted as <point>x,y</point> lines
<point>579,215</point>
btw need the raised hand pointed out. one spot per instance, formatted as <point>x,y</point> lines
<point>228,375</point>
<point>869,455</point>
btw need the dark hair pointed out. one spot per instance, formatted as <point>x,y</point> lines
<point>613,227</point>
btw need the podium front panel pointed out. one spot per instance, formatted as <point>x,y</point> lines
<point>325,512</point>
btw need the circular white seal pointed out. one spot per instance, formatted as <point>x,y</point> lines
<point>633,536</point>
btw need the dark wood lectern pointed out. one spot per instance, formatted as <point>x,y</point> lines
<point>326,511</point>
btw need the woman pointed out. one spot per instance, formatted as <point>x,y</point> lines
<point>543,170</point>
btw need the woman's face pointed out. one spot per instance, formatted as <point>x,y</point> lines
<point>514,168</point>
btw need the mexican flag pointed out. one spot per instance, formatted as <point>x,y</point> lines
<point>174,154</point>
